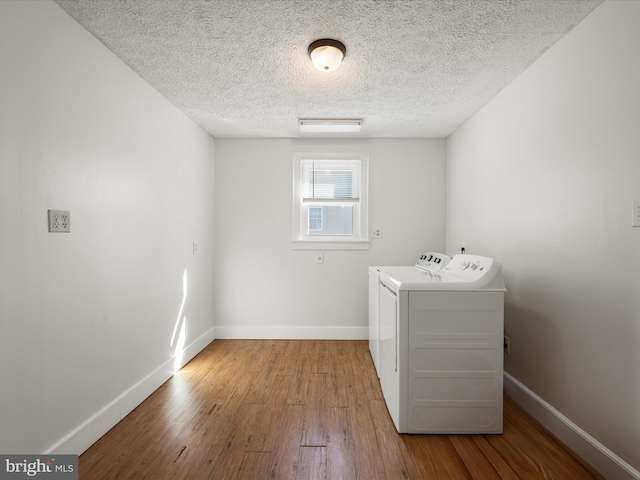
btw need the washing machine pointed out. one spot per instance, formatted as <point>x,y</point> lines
<point>428,261</point>
<point>440,346</point>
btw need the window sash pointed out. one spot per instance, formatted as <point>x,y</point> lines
<point>343,201</point>
<point>335,221</point>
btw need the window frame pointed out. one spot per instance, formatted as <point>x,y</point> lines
<point>359,240</point>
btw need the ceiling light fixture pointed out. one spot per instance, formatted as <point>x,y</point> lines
<point>309,125</point>
<point>326,54</point>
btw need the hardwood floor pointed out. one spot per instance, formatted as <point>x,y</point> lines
<point>284,409</point>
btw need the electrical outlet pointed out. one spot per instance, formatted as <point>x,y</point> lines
<point>376,233</point>
<point>59,221</point>
<point>635,220</point>
<point>195,248</point>
<point>507,344</point>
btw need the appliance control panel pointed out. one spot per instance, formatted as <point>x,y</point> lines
<point>475,269</point>
<point>433,261</point>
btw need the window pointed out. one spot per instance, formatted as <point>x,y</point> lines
<point>330,201</point>
<point>315,219</point>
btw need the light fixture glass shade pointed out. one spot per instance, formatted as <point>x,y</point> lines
<point>326,55</point>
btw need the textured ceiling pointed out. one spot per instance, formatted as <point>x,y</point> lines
<point>413,68</point>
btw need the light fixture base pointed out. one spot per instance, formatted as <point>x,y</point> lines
<point>328,42</point>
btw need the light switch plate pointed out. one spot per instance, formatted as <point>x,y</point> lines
<point>59,221</point>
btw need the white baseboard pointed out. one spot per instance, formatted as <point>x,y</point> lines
<point>86,434</point>
<point>593,452</point>
<point>291,333</point>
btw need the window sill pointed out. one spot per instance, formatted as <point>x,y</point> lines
<point>329,245</point>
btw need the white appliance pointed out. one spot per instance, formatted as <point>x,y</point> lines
<point>440,341</point>
<point>428,261</point>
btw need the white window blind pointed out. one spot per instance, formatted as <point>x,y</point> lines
<point>330,180</point>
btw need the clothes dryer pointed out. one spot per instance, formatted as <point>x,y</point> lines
<point>440,358</point>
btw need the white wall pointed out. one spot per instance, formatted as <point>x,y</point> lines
<point>87,317</point>
<point>263,288</point>
<point>543,179</point>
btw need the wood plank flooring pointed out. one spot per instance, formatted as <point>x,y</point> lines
<point>288,409</point>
